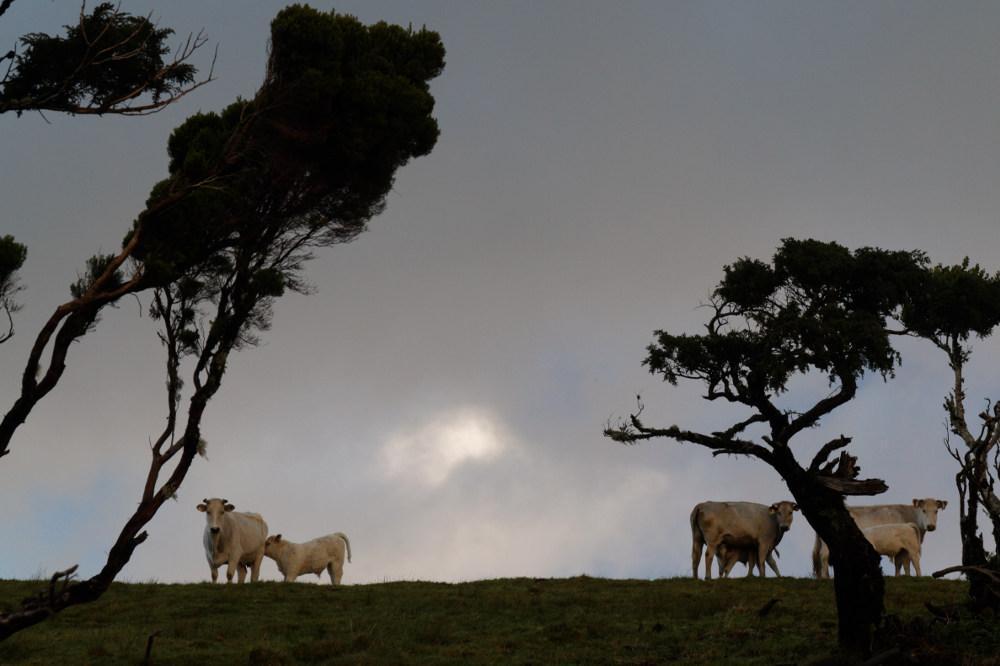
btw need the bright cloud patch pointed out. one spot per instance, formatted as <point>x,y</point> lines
<point>432,452</point>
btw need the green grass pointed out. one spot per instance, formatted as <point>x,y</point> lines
<point>510,621</point>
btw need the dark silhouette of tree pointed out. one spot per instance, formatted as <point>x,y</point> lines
<point>948,307</point>
<point>110,62</point>
<point>12,256</point>
<point>818,308</point>
<point>252,192</point>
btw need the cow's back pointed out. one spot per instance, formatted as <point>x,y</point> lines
<point>884,514</point>
<point>739,520</point>
<point>247,529</point>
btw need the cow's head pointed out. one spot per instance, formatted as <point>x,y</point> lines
<point>213,510</point>
<point>782,512</point>
<point>930,507</point>
<point>272,545</point>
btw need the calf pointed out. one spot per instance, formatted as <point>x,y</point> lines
<point>729,557</point>
<point>295,559</point>
<point>232,538</point>
<point>900,542</point>
<point>743,525</point>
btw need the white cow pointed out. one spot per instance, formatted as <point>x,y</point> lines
<point>743,525</point>
<point>232,538</point>
<point>922,513</point>
<point>295,559</point>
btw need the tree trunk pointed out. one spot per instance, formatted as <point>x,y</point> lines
<point>973,550</point>
<point>858,583</point>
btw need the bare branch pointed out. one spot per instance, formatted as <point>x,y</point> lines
<point>635,431</point>
<point>828,448</point>
<point>843,478</point>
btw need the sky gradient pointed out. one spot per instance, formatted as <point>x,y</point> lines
<point>440,398</point>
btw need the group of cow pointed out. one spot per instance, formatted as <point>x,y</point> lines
<point>749,533</point>
<point>240,541</point>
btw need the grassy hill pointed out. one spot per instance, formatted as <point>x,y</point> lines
<point>510,621</point>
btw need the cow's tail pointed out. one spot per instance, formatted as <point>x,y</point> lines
<point>817,564</point>
<point>697,540</point>
<point>346,543</point>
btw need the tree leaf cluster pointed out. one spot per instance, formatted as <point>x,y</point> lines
<point>816,306</point>
<point>12,258</point>
<point>954,302</point>
<point>109,57</point>
<point>302,165</point>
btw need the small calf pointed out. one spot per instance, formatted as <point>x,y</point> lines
<point>900,542</point>
<point>295,559</point>
<point>729,556</point>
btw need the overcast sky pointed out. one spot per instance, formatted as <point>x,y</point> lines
<point>440,398</point>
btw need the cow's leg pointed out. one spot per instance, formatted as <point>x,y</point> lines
<point>774,565</point>
<point>722,561</point>
<point>900,561</point>
<point>824,562</point>
<point>762,553</point>
<point>336,570</point>
<point>241,572</point>
<point>698,542</point>
<point>231,568</point>
<point>709,556</point>
<point>915,558</point>
<point>215,574</point>
<point>255,569</point>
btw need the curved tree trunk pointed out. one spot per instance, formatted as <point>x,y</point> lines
<point>858,583</point>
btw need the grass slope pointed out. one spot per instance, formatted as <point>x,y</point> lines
<point>510,621</point>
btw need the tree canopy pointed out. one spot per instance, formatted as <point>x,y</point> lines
<point>109,62</point>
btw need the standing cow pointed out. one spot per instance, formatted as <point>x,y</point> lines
<point>232,538</point>
<point>740,525</point>
<point>325,553</point>
<point>921,512</point>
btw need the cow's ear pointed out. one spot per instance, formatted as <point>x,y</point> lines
<point>202,508</point>
<point>277,538</point>
<point>229,507</point>
<point>942,504</point>
<point>773,508</point>
<point>795,507</point>
<point>916,502</point>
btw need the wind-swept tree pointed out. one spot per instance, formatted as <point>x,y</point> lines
<point>817,309</point>
<point>948,307</point>
<point>252,192</point>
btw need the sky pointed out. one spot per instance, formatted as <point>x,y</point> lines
<point>440,398</point>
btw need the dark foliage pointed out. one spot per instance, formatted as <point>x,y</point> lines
<point>12,257</point>
<point>103,64</point>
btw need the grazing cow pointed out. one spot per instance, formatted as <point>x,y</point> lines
<point>743,525</point>
<point>728,558</point>
<point>232,538</point>
<point>295,559</point>
<point>922,513</point>
<point>900,542</point>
